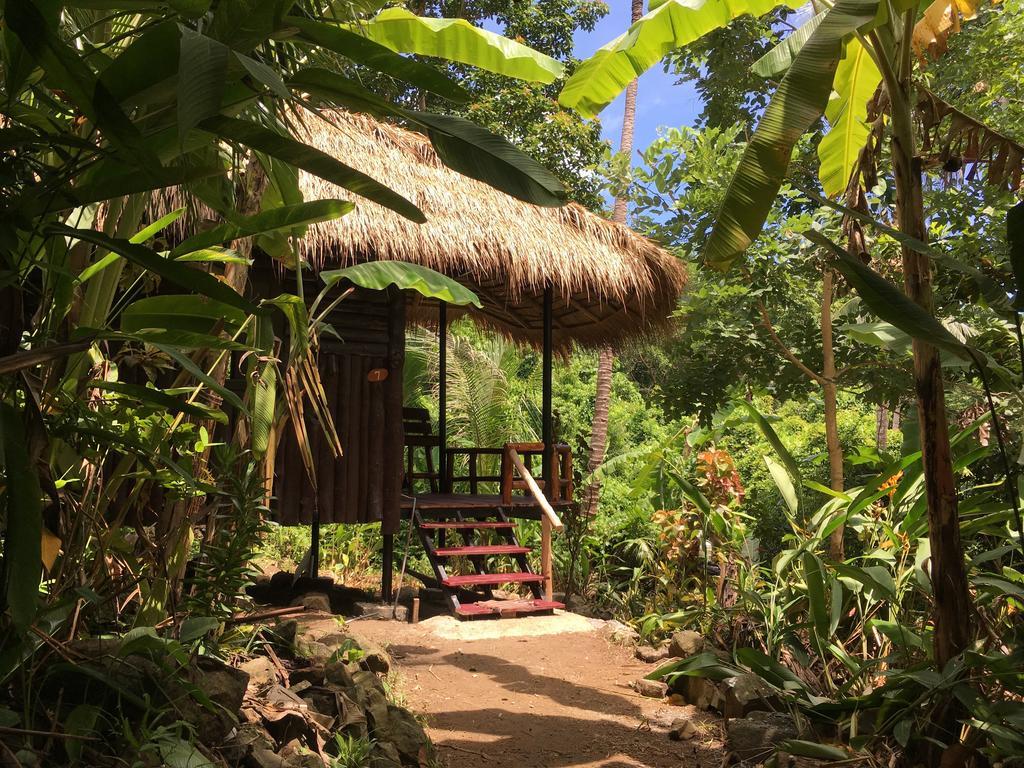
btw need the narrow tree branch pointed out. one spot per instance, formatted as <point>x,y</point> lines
<point>786,351</point>
<point>21,360</point>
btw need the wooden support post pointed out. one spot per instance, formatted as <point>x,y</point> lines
<point>547,466</point>
<point>545,557</point>
<point>415,610</point>
<point>393,438</point>
<point>442,395</point>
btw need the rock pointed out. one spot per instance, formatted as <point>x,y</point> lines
<point>324,701</point>
<point>338,673</point>
<point>382,611</point>
<point>261,671</point>
<point>365,680</point>
<point>385,755</point>
<point>620,634</point>
<point>682,729</point>
<point>408,594</point>
<point>377,713</point>
<point>654,689</point>
<point>125,663</point>
<point>298,755</point>
<point>374,657</point>
<point>282,580</point>
<point>267,758</point>
<point>317,652</point>
<point>314,674</point>
<point>284,633</point>
<point>224,686</point>
<point>434,596</point>
<point>407,735</point>
<point>754,737</point>
<point>579,604</point>
<point>317,639</point>
<point>316,602</point>
<point>685,643</point>
<point>244,740</point>
<point>746,693</point>
<point>701,693</point>
<point>651,655</point>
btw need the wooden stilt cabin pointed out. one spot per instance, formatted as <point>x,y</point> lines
<point>551,278</point>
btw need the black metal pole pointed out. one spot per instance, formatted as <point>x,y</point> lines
<point>547,425</point>
<point>387,566</point>
<point>442,395</point>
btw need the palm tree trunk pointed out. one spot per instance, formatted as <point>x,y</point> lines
<point>828,386</point>
<point>606,357</point>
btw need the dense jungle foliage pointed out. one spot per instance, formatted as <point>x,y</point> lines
<point>768,481</point>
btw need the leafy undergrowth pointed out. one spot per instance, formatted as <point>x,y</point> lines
<point>847,645</point>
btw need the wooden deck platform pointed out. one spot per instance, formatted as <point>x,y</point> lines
<point>450,503</point>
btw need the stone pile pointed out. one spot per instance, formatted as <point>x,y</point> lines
<point>756,720</point>
<point>291,711</point>
<point>284,709</point>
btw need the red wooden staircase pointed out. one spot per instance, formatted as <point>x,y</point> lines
<point>470,594</point>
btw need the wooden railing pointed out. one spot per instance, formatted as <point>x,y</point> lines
<point>561,471</point>
<point>476,472</point>
<point>512,463</point>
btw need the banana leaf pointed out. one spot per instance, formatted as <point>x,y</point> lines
<point>856,81</point>
<point>797,104</point>
<point>671,25</point>
<point>458,40</point>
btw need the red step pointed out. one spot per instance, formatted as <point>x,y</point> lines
<point>462,525</point>
<point>490,549</point>
<point>507,607</point>
<point>491,579</point>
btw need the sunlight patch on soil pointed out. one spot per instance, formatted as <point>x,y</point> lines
<point>561,623</point>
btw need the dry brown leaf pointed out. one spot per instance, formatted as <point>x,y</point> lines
<point>940,20</point>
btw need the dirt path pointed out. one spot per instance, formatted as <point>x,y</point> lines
<point>560,699</point>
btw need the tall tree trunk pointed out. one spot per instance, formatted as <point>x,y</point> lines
<point>828,387</point>
<point>606,357</point>
<point>949,580</point>
<point>882,427</point>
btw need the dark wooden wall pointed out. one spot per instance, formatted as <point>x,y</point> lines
<point>364,485</point>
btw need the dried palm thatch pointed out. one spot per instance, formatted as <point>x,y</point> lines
<point>608,282</point>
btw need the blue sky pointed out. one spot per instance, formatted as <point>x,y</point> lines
<point>659,101</point>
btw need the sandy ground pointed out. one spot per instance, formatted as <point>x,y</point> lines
<point>532,692</point>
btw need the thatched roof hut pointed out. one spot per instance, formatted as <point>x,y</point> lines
<point>608,282</point>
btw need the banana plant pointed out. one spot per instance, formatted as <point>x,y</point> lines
<point>853,49</point>
<point>105,105</point>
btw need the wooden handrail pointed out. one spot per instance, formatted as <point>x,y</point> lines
<point>549,520</point>
<point>538,494</point>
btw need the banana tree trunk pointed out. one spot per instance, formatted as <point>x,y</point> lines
<point>606,357</point>
<point>829,393</point>
<point>949,580</point>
